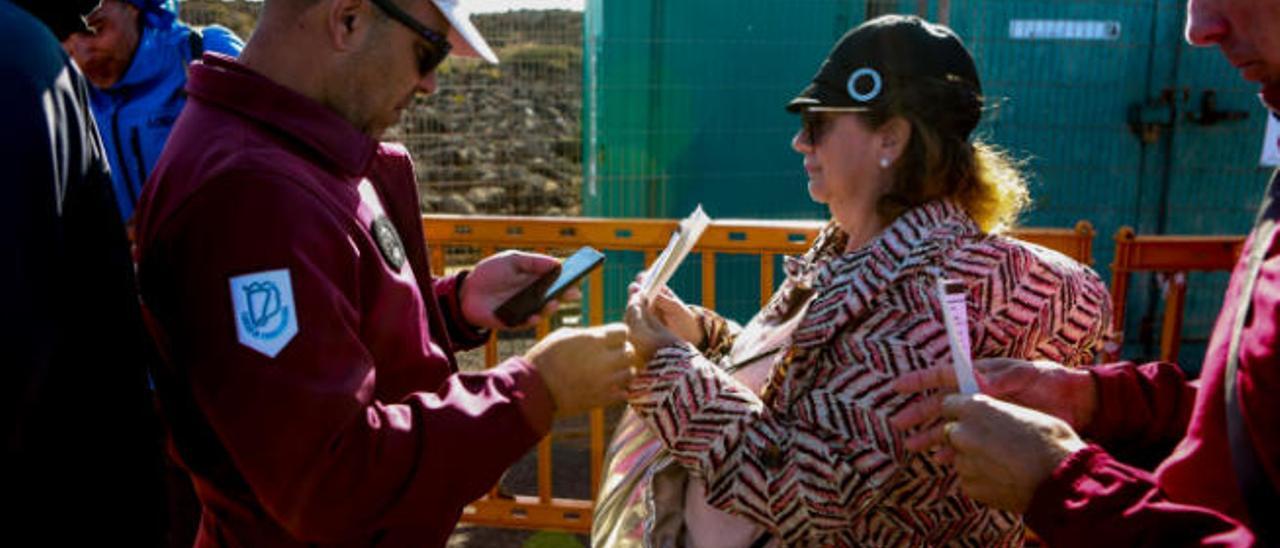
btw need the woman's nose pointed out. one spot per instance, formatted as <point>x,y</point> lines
<point>800,142</point>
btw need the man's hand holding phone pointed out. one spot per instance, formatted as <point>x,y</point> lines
<point>547,289</point>
<point>498,277</point>
<point>527,287</point>
<point>514,289</point>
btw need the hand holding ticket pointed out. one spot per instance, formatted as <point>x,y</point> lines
<point>955,314</point>
<point>682,241</point>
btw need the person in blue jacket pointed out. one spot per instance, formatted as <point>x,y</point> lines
<point>136,58</point>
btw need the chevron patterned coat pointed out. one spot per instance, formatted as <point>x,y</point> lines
<point>813,458</point>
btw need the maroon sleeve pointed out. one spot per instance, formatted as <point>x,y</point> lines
<point>1259,373</point>
<point>1143,410</point>
<point>325,453</point>
<point>1091,498</point>
<point>449,294</point>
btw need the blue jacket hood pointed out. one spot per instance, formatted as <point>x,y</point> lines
<point>136,113</point>
<point>157,12</point>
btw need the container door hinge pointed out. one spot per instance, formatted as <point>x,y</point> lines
<point>1209,114</point>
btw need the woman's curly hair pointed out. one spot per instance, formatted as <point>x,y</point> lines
<point>940,162</point>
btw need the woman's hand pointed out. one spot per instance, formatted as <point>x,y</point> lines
<point>645,329</point>
<point>673,314</point>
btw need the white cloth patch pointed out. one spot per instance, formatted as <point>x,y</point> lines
<point>1271,143</point>
<point>263,310</point>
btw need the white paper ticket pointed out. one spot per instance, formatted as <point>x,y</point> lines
<point>955,313</point>
<point>682,241</point>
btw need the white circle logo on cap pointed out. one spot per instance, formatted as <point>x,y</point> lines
<point>856,77</point>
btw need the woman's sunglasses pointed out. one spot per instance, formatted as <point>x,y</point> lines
<point>815,125</point>
<point>817,121</point>
<point>440,46</point>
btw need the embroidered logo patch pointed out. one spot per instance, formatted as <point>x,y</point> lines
<point>388,241</point>
<point>265,316</point>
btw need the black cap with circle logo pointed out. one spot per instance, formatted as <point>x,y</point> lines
<point>875,60</point>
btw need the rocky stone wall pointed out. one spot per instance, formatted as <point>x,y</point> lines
<point>495,139</point>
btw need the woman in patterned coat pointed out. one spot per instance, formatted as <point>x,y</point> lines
<point>777,433</point>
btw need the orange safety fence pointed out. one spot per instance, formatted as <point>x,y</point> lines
<point>1174,257</point>
<point>765,239</point>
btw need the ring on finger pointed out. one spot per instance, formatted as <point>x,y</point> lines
<point>946,431</point>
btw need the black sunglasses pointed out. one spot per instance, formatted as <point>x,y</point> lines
<point>815,125</point>
<point>817,121</point>
<point>439,43</point>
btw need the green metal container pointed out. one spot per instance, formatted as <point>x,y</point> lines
<point>1117,130</point>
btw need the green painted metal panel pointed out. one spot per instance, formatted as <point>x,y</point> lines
<point>688,102</point>
<point>686,108</point>
<point>1213,181</point>
<point>1066,105</point>
<point>1063,105</point>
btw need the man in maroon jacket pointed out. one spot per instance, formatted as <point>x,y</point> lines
<point>1220,485</point>
<point>310,383</point>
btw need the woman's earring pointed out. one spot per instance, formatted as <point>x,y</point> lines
<point>884,163</point>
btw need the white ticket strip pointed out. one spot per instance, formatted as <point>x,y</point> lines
<point>955,313</point>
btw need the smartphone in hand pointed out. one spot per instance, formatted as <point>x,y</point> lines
<point>534,297</point>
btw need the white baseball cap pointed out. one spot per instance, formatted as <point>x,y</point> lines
<point>466,40</point>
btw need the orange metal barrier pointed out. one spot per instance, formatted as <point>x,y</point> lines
<point>766,239</point>
<point>1076,243</point>
<point>1173,256</point>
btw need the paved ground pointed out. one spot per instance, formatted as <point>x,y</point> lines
<point>481,537</point>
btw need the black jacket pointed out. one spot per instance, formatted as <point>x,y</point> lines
<point>82,449</point>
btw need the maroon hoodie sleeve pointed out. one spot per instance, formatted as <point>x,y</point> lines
<point>1091,498</point>
<point>1143,410</point>
<point>328,433</point>
<point>449,294</point>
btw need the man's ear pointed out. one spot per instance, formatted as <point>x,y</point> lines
<point>346,20</point>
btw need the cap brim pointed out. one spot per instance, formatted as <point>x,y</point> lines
<point>464,36</point>
<point>813,96</point>
<point>820,98</point>
<point>800,103</point>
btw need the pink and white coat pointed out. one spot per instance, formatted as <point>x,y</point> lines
<point>814,459</point>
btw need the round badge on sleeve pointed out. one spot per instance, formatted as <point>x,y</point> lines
<point>856,80</point>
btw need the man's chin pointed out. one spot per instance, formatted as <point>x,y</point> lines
<point>379,129</point>
<point>101,80</point>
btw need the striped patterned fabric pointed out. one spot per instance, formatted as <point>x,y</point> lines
<point>814,459</point>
